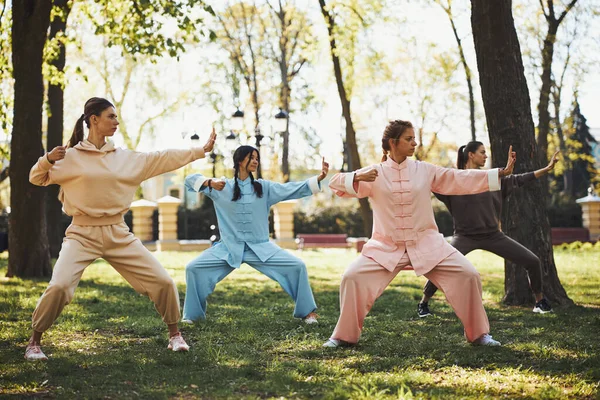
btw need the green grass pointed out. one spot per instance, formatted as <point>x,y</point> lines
<point>110,342</point>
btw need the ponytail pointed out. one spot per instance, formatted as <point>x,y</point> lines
<point>393,131</point>
<point>94,106</point>
<point>463,153</point>
<point>77,135</point>
<point>461,160</point>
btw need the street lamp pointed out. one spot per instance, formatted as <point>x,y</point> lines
<point>280,122</point>
<point>237,120</point>
<point>194,139</point>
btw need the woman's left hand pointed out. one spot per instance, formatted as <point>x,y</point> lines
<point>510,163</point>
<point>324,170</point>
<point>553,162</point>
<point>211,141</point>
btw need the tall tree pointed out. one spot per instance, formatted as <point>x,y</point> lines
<point>353,157</point>
<point>129,24</point>
<point>6,87</point>
<point>292,31</point>
<point>240,29</point>
<point>447,7</point>
<point>547,55</point>
<point>28,243</point>
<point>508,115</point>
<point>56,42</point>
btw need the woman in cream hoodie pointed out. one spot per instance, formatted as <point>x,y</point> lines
<point>98,182</point>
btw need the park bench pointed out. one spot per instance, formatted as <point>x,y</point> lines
<point>569,235</point>
<point>313,240</point>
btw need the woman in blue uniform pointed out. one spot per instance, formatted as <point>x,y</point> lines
<point>242,205</point>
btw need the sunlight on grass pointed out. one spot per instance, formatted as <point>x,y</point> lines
<point>110,342</point>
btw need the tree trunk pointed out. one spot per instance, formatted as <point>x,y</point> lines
<point>468,75</point>
<point>508,114</point>
<point>547,56</point>
<point>55,130</point>
<point>284,93</point>
<point>351,145</point>
<point>28,243</point>
<point>543,105</point>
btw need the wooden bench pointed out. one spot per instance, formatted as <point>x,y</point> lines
<point>313,240</point>
<point>569,235</point>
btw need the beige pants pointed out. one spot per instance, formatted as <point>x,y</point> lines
<point>365,280</point>
<point>117,245</point>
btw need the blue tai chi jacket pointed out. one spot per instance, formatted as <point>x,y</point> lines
<point>245,222</point>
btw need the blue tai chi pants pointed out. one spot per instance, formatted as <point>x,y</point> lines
<point>204,272</point>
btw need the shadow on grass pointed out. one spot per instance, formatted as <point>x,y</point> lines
<point>111,342</point>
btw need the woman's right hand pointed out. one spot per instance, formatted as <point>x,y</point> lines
<point>57,153</point>
<point>366,176</point>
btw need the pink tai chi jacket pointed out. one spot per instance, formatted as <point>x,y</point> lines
<point>402,214</point>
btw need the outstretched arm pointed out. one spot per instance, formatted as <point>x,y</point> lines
<point>294,190</point>
<point>547,168</point>
<point>159,162</point>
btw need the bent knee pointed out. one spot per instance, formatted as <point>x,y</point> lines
<point>351,277</point>
<point>164,281</point>
<point>62,289</point>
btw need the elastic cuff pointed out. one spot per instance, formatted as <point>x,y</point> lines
<point>44,163</point>
<point>198,153</point>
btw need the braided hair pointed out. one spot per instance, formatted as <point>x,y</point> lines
<point>394,130</point>
<point>463,153</point>
<point>238,156</point>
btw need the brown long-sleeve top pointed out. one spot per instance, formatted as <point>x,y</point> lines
<point>478,214</point>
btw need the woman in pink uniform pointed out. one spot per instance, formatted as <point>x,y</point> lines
<point>405,233</point>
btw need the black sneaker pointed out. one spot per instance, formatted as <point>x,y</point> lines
<point>542,307</point>
<point>423,310</point>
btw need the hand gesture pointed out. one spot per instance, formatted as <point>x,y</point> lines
<point>211,141</point>
<point>324,170</point>
<point>366,176</point>
<point>217,184</point>
<point>57,153</point>
<point>553,161</point>
<point>510,163</point>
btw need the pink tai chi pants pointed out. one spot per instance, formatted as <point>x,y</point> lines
<point>365,280</point>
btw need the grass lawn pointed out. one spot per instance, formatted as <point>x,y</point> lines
<point>111,343</point>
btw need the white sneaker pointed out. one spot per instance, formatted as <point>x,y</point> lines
<point>176,343</point>
<point>311,318</point>
<point>486,340</point>
<point>332,343</point>
<point>34,353</point>
<point>187,321</point>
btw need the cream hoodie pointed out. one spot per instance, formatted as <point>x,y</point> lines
<point>98,185</point>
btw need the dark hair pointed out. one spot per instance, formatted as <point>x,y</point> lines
<point>394,130</point>
<point>93,106</point>
<point>238,156</point>
<point>463,153</point>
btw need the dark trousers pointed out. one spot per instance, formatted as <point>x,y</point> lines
<point>503,246</point>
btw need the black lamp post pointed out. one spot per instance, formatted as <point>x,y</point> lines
<point>194,139</point>
<point>280,124</point>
